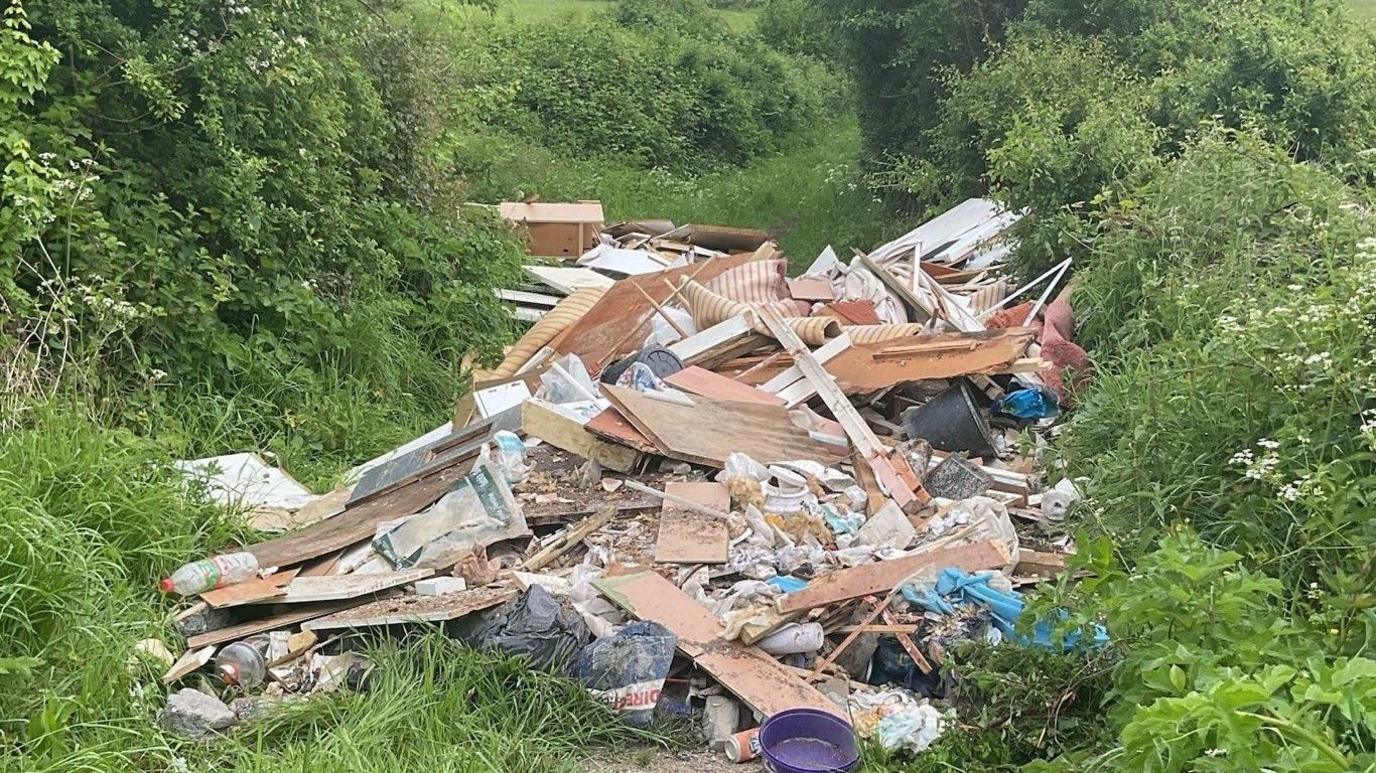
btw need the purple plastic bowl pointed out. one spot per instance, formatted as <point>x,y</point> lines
<point>808,741</point>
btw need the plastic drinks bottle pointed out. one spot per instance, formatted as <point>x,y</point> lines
<point>241,664</point>
<point>211,573</point>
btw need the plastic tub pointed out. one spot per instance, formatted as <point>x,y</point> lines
<point>808,741</point>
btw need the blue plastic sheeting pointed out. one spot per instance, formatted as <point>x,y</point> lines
<point>787,583</point>
<point>1029,404</point>
<point>955,587</point>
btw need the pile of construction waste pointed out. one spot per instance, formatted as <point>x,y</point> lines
<point>697,484</point>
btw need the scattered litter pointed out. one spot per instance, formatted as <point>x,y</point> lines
<point>814,492</point>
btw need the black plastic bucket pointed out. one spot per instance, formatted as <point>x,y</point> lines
<point>951,422</point>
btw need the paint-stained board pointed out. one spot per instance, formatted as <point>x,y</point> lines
<point>687,537</point>
<point>763,683</point>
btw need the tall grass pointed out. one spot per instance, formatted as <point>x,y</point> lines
<point>808,197</point>
<point>90,517</point>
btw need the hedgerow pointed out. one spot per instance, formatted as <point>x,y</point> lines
<point>1208,165</point>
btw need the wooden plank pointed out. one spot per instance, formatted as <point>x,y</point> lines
<point>884,576</point>
<point>529,299</point>
<point>872,367</point>
<point>701,381</point>
<point>881,628</point>
<point>270,623</point>
<point>254,591</point>
<point>688,537</point>
<point>792,387</point>
<point>191,661</point>
<point>856,429</point>
<point>1038,563</point>
<point>906,642</point>
<point>309,590</point>
<point>760,681</point>
<point>399,610</point>
<point>611,425</point>
<point>621,317</point>
<point>358,523</point>
<point>569,540</point>
<point>853,635</point>
<point>893,474</point>
<point>567,279</point>
<point>710,342</point>
<point>707,431</point>
<point>543,420</point>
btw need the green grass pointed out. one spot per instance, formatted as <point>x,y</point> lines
<point>807,196</point>
<point>90,517</point>
<point>1365,9</point>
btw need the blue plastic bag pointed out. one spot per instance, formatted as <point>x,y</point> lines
<point>1029,404</point>
<point>627,670</point>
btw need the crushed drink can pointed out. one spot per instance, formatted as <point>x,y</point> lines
<point>743,746</point>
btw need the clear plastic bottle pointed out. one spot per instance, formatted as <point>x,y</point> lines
<point>241,664</point>
<point>210,573</point>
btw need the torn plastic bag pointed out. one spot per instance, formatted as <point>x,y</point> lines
<point>1029,404</point>
<point>546,629</point>
<point>627,670</point>
<point>478,512</point>
<point>567,381</point>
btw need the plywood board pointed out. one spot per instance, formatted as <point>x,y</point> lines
<point>359,523</point>
<point>687,537</point>
<point>882,577</point>
<point>872,367</point>
<point>254,591</point>
<point>701,381</point>
<point>414,609</point>
<point>709,430</point>
<point>269,623</point>
<point>763,683</point>
<point>307,590</point>
<point>612,426</point>
<point>621,318</point>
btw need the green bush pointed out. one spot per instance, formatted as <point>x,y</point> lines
<point>661,89</point>
<point>227,198</point>
<point>1215,673</point>
<point>1230,304</point>
<point>900,54</point>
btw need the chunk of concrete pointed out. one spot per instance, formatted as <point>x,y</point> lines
<point>193,714</point>
<point>720,717</point>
